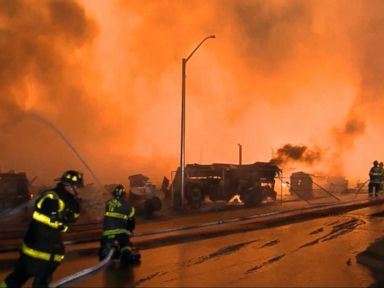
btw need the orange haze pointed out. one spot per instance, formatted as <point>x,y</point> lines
<point>107,74</point>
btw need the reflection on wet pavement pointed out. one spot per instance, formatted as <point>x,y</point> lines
<point>223,251</point>
<point>269,261</point>
<point>271,243</point>
<point>337,230</point>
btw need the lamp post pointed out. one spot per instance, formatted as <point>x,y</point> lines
<point>240,154</point>
<point>182,150</point>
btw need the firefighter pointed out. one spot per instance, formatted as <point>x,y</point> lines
<point>118,226</point>
<point>381,166</point>
<point>42,249</point>
<point>375,177</point>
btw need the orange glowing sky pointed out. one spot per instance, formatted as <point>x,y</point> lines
<point>107,74</point>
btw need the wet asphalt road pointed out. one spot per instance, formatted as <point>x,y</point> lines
<point>12,232</point>
<point>315,253</point>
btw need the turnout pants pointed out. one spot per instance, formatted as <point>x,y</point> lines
<point>108,242</point>
<point>28,267</point>
<point>374,188</point>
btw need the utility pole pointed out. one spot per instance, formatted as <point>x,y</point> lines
<point>182,141</point>
<point>240,154</point>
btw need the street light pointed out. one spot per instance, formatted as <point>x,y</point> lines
<point>240,154</point>
<point>182,152</point>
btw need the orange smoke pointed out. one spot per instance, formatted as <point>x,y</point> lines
<point>108,75</point>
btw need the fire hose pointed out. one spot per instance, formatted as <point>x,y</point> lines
<point>361,187</point>
<point>84,272</point>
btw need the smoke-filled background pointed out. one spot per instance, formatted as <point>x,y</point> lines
<point>298,82</point>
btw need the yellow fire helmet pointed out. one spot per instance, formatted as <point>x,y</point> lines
<point>73,178</point>
<point>119,191</point>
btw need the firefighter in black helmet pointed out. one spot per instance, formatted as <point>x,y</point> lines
<point>375,177</point>
<point>118,226</point>
<point>42,249</point>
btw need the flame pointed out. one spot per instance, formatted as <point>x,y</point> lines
<point>107,73</point>
<point>235,199</point>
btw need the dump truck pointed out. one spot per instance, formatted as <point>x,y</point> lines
<point>254,183</point>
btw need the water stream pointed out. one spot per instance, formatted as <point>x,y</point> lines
<point>48,123</point>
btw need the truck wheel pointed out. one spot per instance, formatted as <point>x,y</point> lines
<point>148,208</point>
<point>156,203</point>
<point>251,198</point>
<point>268,192</point>
<point>196,198</point>
<point>214,195</point>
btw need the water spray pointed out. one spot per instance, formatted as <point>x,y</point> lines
<point>45,121</point>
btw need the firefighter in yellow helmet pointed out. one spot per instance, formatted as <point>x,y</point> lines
<point>118,226</point>
<point>42,249</point>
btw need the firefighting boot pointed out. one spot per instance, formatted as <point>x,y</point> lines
<point>104,251</point>
<point>130,257</point>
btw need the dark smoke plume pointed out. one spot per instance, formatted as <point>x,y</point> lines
<point>297,153</point>
<point>353,128</point>
<point>367,38</point>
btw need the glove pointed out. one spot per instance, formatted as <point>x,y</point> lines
<point>62,227</point>
<point>67,216</point>
<point>54,216</point>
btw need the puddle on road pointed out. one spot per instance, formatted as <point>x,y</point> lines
<point>223,251</point>
<point>337,230</point>
<point>269,261</point>
<point>333,223</point>
<point>271,243</point>
<point>142,280</point>
<point>317,231</point>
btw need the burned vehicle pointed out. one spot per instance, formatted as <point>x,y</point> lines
<point>252,182</point>
<point>142,195</point>
<point>14,189</point>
